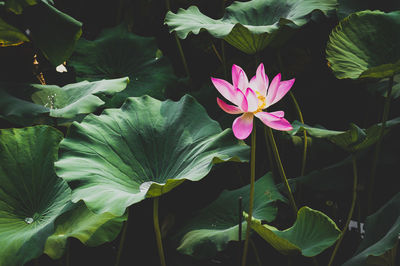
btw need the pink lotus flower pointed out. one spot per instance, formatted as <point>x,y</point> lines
<point>251,98</point>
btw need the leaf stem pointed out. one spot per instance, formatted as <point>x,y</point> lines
<point>184,62</point>
<point>120,8</point>
<point>353,204</point>
<point>216,53</point>
<point>67,254</point>
<point>378,148</point>
<point>158,231</point>
<point>304,159</point>
<point>255,252</point>
<point>178,44</point>
<point>300,115</point>
<point>269,150</point>
<point>252,181</point>
<point>281,170</point>
<point>122,241</point>
<point>224,58</point>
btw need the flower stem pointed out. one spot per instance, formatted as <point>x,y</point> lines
<point>281,170</point>
<point>353,204</point>
<point>158,232</point>
<point>122,241</point>
<point>385,116</point>
<point>252,181</point>
<point>240,218</point>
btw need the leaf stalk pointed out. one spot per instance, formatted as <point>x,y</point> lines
<point>378,148</point>
<point>353,204</point>
<point>158,231</point>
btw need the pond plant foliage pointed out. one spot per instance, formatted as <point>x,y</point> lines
<point>116,146</point>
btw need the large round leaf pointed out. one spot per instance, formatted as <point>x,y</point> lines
<point>90,228</point>
<point>52,31</point>
<point>365,44</point>
<point>381,87</point>
<point>352,140</point>
<point>144,149</point>
<point>312,233</point>
<point>346,7</point>
<point>211,228</point>
<point>61,102</point>
<point>249,26</point>
<point>382,230</point>
<point>17,107</point>
<point>76,98</point>
<point>31,195</point>
<point>118,53</point>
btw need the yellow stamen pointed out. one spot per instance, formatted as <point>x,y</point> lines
<point>261,102</point>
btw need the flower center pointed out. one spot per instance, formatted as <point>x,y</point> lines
<point>261,102</point>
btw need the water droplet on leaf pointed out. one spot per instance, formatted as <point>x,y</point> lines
<point>28,220</point>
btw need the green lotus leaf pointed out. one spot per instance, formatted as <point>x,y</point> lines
<point>249,26</point>
<point>31,195</point>
<point>381,87</point>
<point>76,98</point>
<point>25,103</point>
<point>346,7</point>
<point>90,228</point>
<point>352,140</point>
<point>312,233</point>
<point>336,177</point>
<point>10,35</point>
<point>144,149</point>
<point>118,53</point>
<point>17,107</point>
<point>382,230</point>
<point>53,32</point>
<point>364,45</point>
<point>210,229</point>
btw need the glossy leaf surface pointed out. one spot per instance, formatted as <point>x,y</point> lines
<point>118,53</point>
<point>144,149</point>
<point>382,231</point>
<point>211,228</point>
<point>25,103</point>
<point>90,228</point>
<point>249,26</point>
<point>365,45</point>
<point>312,233</point>
<point>351,140</point>
<point>31,195</point>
